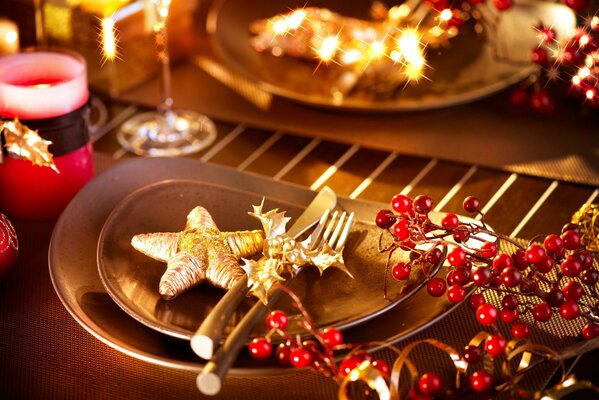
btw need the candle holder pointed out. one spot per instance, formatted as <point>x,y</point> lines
<point>46,89</point>
<point>167,131</point>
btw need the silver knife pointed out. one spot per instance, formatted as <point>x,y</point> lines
<point>208,336</point>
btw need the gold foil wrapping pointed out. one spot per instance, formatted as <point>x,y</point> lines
<point>587,218</point>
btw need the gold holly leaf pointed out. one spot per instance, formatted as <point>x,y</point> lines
<point>26,144</point>
<point>326,257</point>
<point>273,222</point>
<point>262,276</point>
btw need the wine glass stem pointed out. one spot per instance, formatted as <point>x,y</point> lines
<point>161,37</point>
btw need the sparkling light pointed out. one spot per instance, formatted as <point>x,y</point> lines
<point>446,15</point>
<point>351,56</point>
<point>295,19</point>
<point>409,46</point>
<point>11,37</point>
<point>576,80</point>
<point>108,39</point>
<point>584,40</point>
<point>590,94</point>
<point>377,48</point>
<point>584,72</point>
<point>279,27</point>
<point>595,22</point>
<point>328,48</point>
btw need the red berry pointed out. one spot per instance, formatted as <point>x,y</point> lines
<point>571,239</point>
<point>402,229</point>
<point>539,56</point>
<point>351,362</point>
<point>534,253</point>
<point>332,337</point>
<point>456,257</point>
<point>544,265</point>
<point>476,300</point>
<point>589,277</point>
<point>430,384</point>
<point>282,355</point>
<point>472,354</point>
<point>586,261</point>
<point>260,349</point>
<point>553,243</point>
<point>509,302</point>
<point>423,204</point>
<point>277,319</point>
<point>382,366</point>
<point>456,293</point>
<point>462,234</point>
<point>495,345</point>
<point>509,316</point>
<point>488,249</point>
<point>519,97</point>
<point>385,219</point>
<point>301,357</point>
<point>590,330</point>
<point>520,330</point>
<point>554,297</point>
<point>569,310</point>
<point>511,276</point>
<point>481,276</point>
<point>541,102</point>
<point>577,5</point>
<point>486,314</point>
<point>459,276</point>
<point>570,227</point>
<point>481,381</point>
<point>519,260</point>
<point>547,34</point>
<point>571,267</point>
<point>502,5</point>
<point>471,204</point>
<point>450,221</point>
<point>541,312</point>
<point>436,287</point>
<point>433,256</point>
<point>501,261</point>
<point>573,290</point>
<point>401,203</point>
<point>401,271</point>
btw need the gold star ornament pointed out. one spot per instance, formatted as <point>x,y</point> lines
<point>199,253</point>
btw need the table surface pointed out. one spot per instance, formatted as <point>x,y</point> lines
<point>530,173</point>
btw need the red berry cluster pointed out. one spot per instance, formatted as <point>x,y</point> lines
<point>317,353</point>
<point>555,276</point>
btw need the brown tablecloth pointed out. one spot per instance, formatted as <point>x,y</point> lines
<point>45,353</point>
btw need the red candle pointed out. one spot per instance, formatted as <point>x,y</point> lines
<point>47,90</point>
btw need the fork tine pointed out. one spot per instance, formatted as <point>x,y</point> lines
<point>337,230</point>
<point>317,232</point>
<point>327,232</point>
<point>345,233</point>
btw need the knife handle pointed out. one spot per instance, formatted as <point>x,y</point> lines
<point>210,380</point>
<point>210,332</point>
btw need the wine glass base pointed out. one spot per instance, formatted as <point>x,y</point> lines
<point>150,134</point>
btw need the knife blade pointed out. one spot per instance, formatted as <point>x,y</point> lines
<point>210,332</point>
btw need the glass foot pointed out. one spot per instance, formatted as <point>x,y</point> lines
<point>175,133</point>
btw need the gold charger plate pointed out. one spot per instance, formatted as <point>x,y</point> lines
<point>131,278</point>
<point>473,66</point>
<point>74,272</point>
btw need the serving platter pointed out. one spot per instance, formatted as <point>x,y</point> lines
<point>469,67</point>
<point>74,273</point>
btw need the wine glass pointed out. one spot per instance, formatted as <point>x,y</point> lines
<point>166,131</point>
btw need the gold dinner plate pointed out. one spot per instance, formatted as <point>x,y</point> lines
<point>74,271</point>
<point>333,299</point>
<point>470,67</point>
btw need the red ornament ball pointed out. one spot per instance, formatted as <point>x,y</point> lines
<point>520,330</point>
<point>471,204</point>
<point>539,56</point>
<point>436,287</point>
<point>9,245</point>
<point>541,312</point>
<point>569,310</point>
<point>260,348</point>
<point>382,366</point>
<point>476,300</point>
<point>401,203</point>
<point>519,97</point>
<point>495,345</point>
<point>502,5</point>
<point>401,271</point>
<point>577,5</point>
<point>385,219</point>
<point>590,330</point>
<point>430,384</point>
<point>541,102</point>
<point>353,361</point>
<point>282,355</point>
<point>456,293</point>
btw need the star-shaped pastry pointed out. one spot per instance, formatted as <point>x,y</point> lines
<point>199,253</point>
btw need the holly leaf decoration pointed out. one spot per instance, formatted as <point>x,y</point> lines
<point>262,275</point>
<point>26,144</point>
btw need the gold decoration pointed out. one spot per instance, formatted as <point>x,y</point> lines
<point>26,144</point>
<point>390,49</point>
<point>587,218</point>
<point>282,254</point>
<point>200,252</point>
<point>372,376</point>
